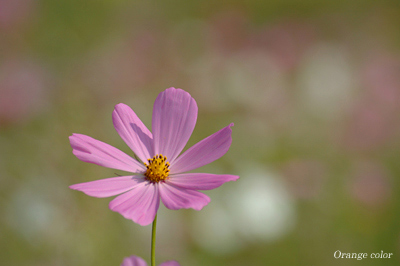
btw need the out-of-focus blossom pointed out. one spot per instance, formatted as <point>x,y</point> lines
<point>215,230</point>
<point>174,118</point>
<point>370,184</point>
<point>287,42</point>
<point>368,128</point>
<point>374,119</point>
<point>138,261</point>
<point>381,79</point>
<point>228,32</point>
<point>258,210</point>
<point>122,65</point>
<point>31,214</point>
<point>263,208</point>
<point>326,83</point>
<point>220,82</point>
<point>15,12</point>
<point>262,78</point>
<point>23,87</point>
<point>305,178</point>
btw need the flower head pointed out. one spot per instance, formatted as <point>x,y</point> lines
<point>161,175</point>
<point>138,261</point>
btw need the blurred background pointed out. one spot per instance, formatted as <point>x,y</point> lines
<point>313,88</point>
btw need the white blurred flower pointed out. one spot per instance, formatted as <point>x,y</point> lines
<point>326,81</point>
<point>262,206</point>
<point>257,209</point>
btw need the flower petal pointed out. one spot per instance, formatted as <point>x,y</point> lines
<point>200,181</point>
<point>108,187</point>
<point>204,152</point>
<point>133,131</point>
<point>176,198</point>
<point>139,205</point>
<point>174,118</point>
<point>170,263</point>
<point>90,150</point>
<point>134,261</point>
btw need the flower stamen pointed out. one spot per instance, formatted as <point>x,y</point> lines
<point>157,169</point>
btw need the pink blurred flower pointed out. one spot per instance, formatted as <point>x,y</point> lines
<point>305,178</point>
<point>174,118</point>
<point>370,184</point>
<point>15,12</point>
<point>137,261</point>
<point>374,121</point>
<point>228,32</point>
<point>23,88</point>
<point>287,42</point>
<point>131,62</point>
<point>380,78</point>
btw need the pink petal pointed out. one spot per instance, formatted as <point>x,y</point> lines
<point>170,263</point>
<point>133,131</point>
<point>174,118</point>
<point>200,181</point>
<point>108,187</point>
<point>90,150</point>
<point>139,205</point>
<point>134,261</point>
<point>204,152</point>
<point>176,198</point>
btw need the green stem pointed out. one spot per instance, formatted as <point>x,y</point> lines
<point>153,242</point>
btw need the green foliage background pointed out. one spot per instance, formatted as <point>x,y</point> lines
<point>313,88</point>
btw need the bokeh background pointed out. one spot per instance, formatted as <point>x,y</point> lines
<point>313,88</point>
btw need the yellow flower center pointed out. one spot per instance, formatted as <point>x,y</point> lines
<point>157,169</point>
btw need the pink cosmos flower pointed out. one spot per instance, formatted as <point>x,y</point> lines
<point>137,261</point>
<point>162,175</point>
